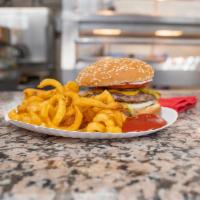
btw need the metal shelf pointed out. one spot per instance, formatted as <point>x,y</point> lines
<point>119,40</point>
<point>133,18</point>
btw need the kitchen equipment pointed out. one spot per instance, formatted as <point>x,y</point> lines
<point>138,37</point>
<point>169,41</point>
<point>8,57</point>
<point>31,40</point>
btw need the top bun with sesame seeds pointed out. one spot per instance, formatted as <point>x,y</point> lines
<point>115,72</point>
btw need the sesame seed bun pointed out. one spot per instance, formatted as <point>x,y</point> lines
<point>115,71</point>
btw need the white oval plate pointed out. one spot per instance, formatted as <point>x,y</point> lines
<point>168,114</point>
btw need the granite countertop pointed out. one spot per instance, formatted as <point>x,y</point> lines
<point>165,165</point>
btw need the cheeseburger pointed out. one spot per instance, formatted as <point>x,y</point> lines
<point>126,80</point>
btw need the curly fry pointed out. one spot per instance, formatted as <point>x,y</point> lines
<point>40,93</point>
<point>61,110</point>
<point>71,86</point>
<point>105,97</point>
<point>84,101</point>
<point>113,129</point>
<point>53,83</point>
<point>104,118</point>
<point>35,119</point>
<point>95,127</point>
<point>77,122</point>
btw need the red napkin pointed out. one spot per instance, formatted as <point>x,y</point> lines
<point>179,104</point>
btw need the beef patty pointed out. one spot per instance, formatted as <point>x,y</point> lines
<point>138,98</point>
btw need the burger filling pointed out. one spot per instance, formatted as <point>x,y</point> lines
<point>132,99</point>
<point>138,98</point>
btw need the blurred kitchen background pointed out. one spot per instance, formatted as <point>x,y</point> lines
<point>56,38</point>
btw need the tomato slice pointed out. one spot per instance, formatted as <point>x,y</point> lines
<point>143,122</point>
<point>128,86</point>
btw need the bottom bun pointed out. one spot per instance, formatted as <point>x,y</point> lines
<point>153,109</point>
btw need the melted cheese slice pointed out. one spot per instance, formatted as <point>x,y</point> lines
<point>125,92</point>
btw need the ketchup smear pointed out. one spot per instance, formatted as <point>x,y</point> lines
<point>143,122</point>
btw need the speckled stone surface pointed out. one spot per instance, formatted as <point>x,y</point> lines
<point>165,165</point>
